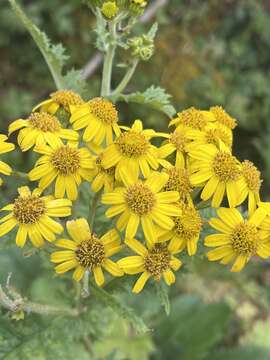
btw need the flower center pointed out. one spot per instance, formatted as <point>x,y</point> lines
<point>132,144</point>
<point>101,169</point>
<point>245,239</point>
<point>90,253</point>
<point>189,224</point>
<point>178,181</point>
<point>226,167</point>
<point>193,118</point>
<point>28,209</point>
<point>66,97</point>
<point>66,160</point>
<point>214,135</point>
<point>252,176</point>
<point>178,140</point>
<point>223,117</point>
<point>140,199</point>
<point>44,122</point>
<point>104,110</point>
<point>109,9</point>
<point>157,260</point>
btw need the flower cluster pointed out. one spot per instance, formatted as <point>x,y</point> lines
<point>153,192</point>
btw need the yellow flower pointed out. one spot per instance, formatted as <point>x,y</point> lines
<point>99,117</point>
<point>4,148</point>
<point>32,214</point>
<point>213,133</point>
<point>66,164</point>
<point>222,117</point>
<point>179,181</point>
<point>132,152</point>
<point>143,202</point>
<point>61,99</point>
<point>218,171</point>
<point>177,142</point>
<point>155,261</point>
<point>39,129</point>
<point>250,185</point>
<point>109,9</point>
<point>102,178</point>
<point>191,118</point>
<point>87,252</point>
<point>238,239</point>
<point>186,230</point>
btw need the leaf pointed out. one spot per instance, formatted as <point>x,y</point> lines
<point>54,55</point>
<point>124,311</point>
<point>153,31</point>
<point>154,97</point>
<point>192,328</point>
<point>242,353</point>
<point>101,31</point>
<point>162,293</point>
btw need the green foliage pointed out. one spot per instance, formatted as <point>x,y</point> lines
<point>162,294</point>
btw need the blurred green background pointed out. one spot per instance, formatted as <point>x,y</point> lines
<point>207,53</point>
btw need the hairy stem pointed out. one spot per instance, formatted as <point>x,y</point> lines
<point>126,79</point>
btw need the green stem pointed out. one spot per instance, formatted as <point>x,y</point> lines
<point>20,175</point>
<point>126,79</point>
<point>93,209</point>
<point>85,288</point>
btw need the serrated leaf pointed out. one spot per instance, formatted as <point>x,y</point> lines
<point>154,97</point>
<point>162,294</point>
<point>101,31</point>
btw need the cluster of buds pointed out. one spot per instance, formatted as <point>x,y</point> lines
<point>142,47</point>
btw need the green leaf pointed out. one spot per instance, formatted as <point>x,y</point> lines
<point>192,329</point>
<point>153,31</point>
<point>101,32</point>
<point>162,294</point>
<point>154,97</point>
<point>242,353</point>
<point>124,311</point>
<point>54,55</point>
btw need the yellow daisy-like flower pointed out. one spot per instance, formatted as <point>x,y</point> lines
<point>39,129</point>
<point>239,239</point>
<point>4,148</point>
<point>32,214</point>
<point>222,117</point>
<point>155,261</point>
<point>87,252</point>
<point>143,202</point>
<point>102,178</point>
<point>109,9</point>
<point>186,230</point>
<point>177,142</point>
<point>218,171</point>
<point>99,118</point>
<point>66,164</point>
<point>61,99</point>
<point>179,181</point>
<point>250,185</point>
<point>191,118</point>
<point>132,152</point>
<point>213,133</point>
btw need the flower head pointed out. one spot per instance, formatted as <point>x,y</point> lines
<point>109,9</point>
<point>218,171</point>
<point>39,129</point>
<point>4,148</point>
<point>155,261</point>
<point>179,181</point>
<point>132,152</point>
<point>99,118</point>
<point>102,178</point>
<point>66,164</point>
<point>191,118</point>
<point>239,239</point>
<point>61,99</point>
<point>32,213</point>
<point>143,202</point>
<point>222,117</point>
<point>87,252</point>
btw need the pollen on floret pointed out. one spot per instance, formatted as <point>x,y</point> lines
<point>140,199</point>
<point>90,253</point>
<point>223,117</point>
<point>178,140</point>
<point>132,144</point>
<point>104,110</point>
<point>193,118</point>
<point>66,98</point>
<point>189,224</point>
<point>245,239</point>
<point>109,9</point>
<point>66,160</point>
<point>28,209</point>
<point>226,166</point>
<point>44,121</point>
<point>252,175</point>
<point>214,135</point>
<point>101,169</point>
<point>178,181</point>
<point>157,260</point>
